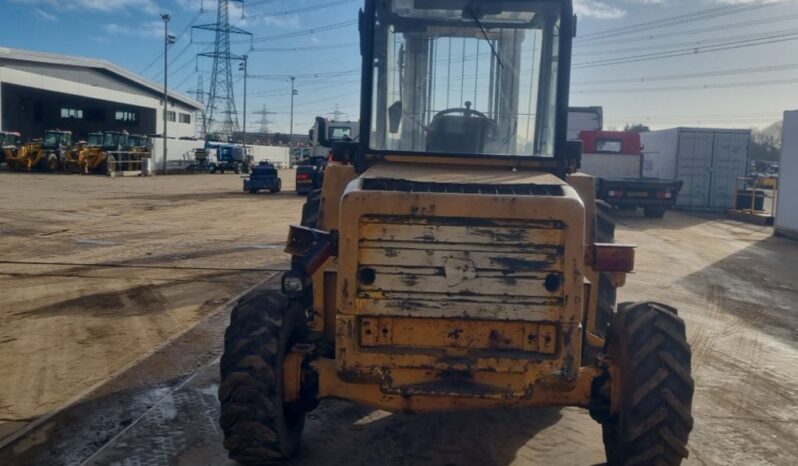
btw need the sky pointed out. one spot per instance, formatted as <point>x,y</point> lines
<point>663,63</point>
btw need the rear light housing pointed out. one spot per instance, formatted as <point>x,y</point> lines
<point>615,193</point>
<point>608,257</point>
<point>664,195</point>
<point>302,176</point>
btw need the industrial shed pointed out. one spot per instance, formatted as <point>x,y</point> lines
<point>41,91</point>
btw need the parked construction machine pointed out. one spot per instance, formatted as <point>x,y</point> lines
<point>75,159</point>
<point>45,154</point>
<point>9,144</point>
<point>103,161</point>
<point>454,258</point>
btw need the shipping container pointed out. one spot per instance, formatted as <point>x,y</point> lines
<point>708,161</point>
<point>787,210</point>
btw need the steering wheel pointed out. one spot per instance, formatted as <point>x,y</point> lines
<point>493,128</point>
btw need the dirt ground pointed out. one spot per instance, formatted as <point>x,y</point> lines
<point>735,285</point>
<point>97,272</point>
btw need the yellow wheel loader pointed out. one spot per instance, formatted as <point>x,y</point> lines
<point>454,259</point>
<point>45,155</point>
<point>138,150</point>
<point>102,160</point>
<point>76,159</point>
<point>9,145</point>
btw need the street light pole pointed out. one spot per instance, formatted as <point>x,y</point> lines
<point>291,128</point>
<point>165,17</point>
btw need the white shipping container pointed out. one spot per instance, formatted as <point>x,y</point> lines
<point>787,210</point>
<point>278,155</point>
<point>708,161</point>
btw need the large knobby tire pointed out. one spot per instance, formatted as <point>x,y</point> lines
<point>647,343</point>
<point>258,426</point>
<point>49,163</point>
<point>654,212</point>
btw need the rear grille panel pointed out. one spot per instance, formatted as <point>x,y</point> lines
<point>398,185</point>
<point>450,267</point>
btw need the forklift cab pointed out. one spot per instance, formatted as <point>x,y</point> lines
<point>466,77</point>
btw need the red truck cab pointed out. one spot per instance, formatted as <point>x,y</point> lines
<point>615,158</point>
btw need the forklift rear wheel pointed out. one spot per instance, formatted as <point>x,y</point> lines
<point>258,426</point>
<point>278,188</point>
<point>647,343</point>
<point>49,163</point>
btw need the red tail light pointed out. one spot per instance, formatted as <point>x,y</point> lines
<point>302,176</point>
<point>664,195</point>
<point>616,193</point>
<point>613,257</point>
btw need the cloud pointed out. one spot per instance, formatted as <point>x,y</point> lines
<point>150,30</point>
<point>597,9</point>
<point>109,6</point>
<point>45,15</point>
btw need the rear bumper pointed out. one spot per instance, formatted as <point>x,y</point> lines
<point>451,394</point>
<point>631,202</point>
<point>257,183</point>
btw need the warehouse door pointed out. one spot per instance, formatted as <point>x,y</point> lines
<point>694,167</point>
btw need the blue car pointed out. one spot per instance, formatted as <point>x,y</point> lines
<point>263,176</point>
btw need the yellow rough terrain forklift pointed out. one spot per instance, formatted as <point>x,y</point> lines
<point>44,155</point>
<point>454,258</point>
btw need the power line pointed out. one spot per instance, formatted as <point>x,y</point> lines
<point>682,19</point>
<point>625,90</point>
<point>178,37</point>
<point>686,32</point>
<point>707,74</point>
<point>306,32</point>
<point>698,42</point>
<point>683,52</point>
<point>330,74</point>
<point>307,48</point>
<point>302,9</point>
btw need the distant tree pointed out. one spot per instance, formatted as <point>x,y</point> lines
<point>766,143</point>
<point>280,138</point>
<point>636,128</point>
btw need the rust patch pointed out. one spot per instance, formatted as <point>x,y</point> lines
<point>455,334</point>
<point>514,235</point>
<point>516,264</point>
<point>410,280</point>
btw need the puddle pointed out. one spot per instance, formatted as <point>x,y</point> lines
<point>98,242</point>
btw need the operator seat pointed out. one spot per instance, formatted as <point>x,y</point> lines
<point>460,131</point>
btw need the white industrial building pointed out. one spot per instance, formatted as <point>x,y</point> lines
<point>41,91</point>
